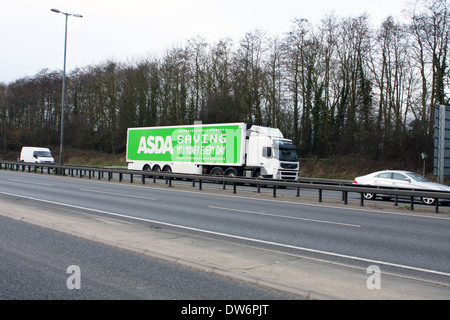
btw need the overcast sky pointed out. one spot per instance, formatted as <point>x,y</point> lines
<point>32,37</point>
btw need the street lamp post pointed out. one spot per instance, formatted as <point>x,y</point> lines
<point>64,80</point>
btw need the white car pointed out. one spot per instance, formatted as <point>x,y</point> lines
<point>399,179</point>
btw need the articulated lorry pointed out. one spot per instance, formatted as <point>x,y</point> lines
<point>229,149</point>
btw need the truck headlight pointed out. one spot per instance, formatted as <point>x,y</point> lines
<point>276,174</point>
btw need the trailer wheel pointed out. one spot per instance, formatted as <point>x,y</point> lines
<point>231,172</point>
<point>156,169</point>
<point>147,169</point>
<point>217,172</point>
<point>167,169</point>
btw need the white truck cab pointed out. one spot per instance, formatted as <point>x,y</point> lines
<point>275,156</point>
<point>36,155</point>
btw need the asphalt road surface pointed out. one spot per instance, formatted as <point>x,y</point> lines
<point>409,246</point>
<point>37,263</point>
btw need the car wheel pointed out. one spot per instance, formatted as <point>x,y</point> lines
<point>369,196</point>
<point>428,201</point>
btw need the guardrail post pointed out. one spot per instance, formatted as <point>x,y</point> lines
<point>193,182</point>
<point>298,191</point>
<point>170,181</point>
<point>274,190</point>
<point>396,200</point>
<point>345,197</point>
<point>320,195</point>
<point>200,184</point>
<point>412,203</point>
<point>131,178</point>
<point>143,178</point>
<point>362,200</point>
<point>224,185</point>
<point>120,176</point>
<point>436,206</point>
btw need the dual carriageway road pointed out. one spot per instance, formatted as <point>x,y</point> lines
<point>296,246</point>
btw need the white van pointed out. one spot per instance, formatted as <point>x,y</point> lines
<point>36,155</point>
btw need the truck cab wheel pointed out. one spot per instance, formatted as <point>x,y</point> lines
<point>258,175</point>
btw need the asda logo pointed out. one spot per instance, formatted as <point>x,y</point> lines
<point>155,145</point>
<point>207,144</point>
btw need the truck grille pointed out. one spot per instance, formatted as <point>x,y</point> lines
<point>285,165</point>
<point>288,175</point>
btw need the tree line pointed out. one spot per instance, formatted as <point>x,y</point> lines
<point>337,87</point>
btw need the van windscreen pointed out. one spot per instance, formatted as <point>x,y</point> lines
<point>42,154</point>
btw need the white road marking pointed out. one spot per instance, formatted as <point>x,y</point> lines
<point>118,194</point>
<point>31,182</point>
<point>287,217</point>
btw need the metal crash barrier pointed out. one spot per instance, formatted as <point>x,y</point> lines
<point>343,186</point>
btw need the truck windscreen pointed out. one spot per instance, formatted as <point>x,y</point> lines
<point>289,155</point>
<point>287,151</point>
